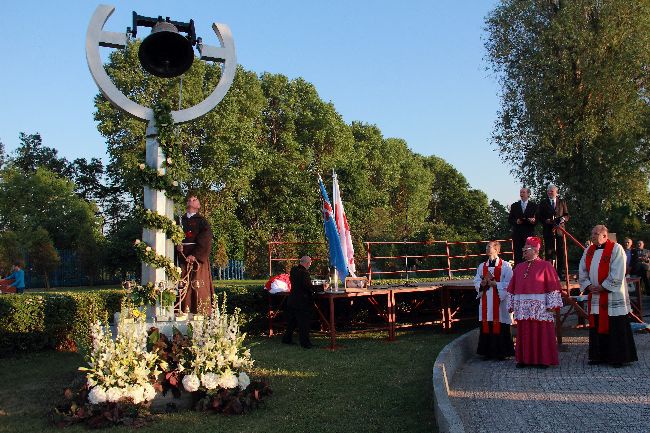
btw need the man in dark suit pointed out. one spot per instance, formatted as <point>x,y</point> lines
<point>300,303</point>
<point>551,212</point>
<point>522,218</point>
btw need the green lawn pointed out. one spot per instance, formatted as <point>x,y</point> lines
<point>370,385</point>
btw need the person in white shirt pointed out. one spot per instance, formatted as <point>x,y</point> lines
<point>491,281</point>
<point>602,275</point>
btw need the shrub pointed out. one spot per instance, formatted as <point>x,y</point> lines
<point>58,320</point>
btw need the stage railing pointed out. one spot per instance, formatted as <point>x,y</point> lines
<point>442,256</point>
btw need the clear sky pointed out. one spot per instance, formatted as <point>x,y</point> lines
<point>416,69</point>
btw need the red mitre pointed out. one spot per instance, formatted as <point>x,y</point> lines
<point>534,242</point>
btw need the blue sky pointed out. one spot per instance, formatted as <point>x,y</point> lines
<point>415,69</point>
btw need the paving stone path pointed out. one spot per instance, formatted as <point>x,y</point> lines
<point>495,397</point>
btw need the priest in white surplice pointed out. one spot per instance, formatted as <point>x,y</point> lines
<point>491,281</point>
<point>602,275</point>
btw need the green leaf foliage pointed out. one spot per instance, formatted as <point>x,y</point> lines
<point>574,101</point>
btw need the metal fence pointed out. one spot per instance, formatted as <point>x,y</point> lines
<point>234,271</point>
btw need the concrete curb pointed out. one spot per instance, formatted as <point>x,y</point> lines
<point>448,361</point>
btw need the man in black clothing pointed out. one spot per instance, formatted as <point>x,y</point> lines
<point>551,212</point>
<point>300,303</point>
<point>522,219</point>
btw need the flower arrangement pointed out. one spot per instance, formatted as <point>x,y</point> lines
<point>139,295</point>
<point>211,362</point>
<point>217,357</point>
<point>124,374</point>
<point>122,368</point>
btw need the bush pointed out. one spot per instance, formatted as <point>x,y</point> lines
<point>61,320</point>
<point>251,299</point>
<point>58,320</point>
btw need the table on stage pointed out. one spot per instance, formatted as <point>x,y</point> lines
<point>376,295</point>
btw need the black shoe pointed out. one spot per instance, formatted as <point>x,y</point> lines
<point>594,362</point>
<point>287,342</point>
<point>542,366</point>
<point>616,364</point>
<point>307,346</point>
<point>521,365</point>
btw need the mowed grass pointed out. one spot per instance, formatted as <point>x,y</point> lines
<point>369,385</point>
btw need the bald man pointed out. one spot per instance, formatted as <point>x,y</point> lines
<point>300,303</point>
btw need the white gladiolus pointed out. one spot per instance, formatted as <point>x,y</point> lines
<point>210,380</point>
<point>97,395</point>
<point>244,380</point>
<point>191,383</point>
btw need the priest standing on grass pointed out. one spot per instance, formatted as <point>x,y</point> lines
<point>533,296</point>
<point>491,281</point>
<point>602,275</point>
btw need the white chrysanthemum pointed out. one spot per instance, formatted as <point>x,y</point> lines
<point>169,160</point>
<point>191,383</point>
<point>136,392</point>
<point>114,394</point>
<point>149,392</point>
<point>161,172</point>
<point>137,241</point>
<point>228,380</point>
<point>148,249</point>
<point>244,380</point>
<point>175,183</point>
<point>141,166</point>
<point>97,395</point>
<point>210,380</point>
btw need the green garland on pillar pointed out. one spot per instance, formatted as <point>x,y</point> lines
<point>147,254</point>
<point>155,221</point>
<point>167,179</point>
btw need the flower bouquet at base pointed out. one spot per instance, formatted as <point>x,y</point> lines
<point>120,378</point>
<point>211,363</point>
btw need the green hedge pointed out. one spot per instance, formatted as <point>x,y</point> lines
<point>56,320</point>
<point>62,319</point>
<point>253,302</point>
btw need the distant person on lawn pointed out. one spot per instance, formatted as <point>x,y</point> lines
<point>15,280</point>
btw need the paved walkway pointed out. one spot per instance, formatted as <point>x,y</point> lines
<point>494,397</point>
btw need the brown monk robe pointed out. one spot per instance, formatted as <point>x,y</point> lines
<point>196,250</point>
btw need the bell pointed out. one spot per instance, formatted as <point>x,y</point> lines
<point>165,52</point>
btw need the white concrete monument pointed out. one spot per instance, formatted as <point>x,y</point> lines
<point>224,54</point>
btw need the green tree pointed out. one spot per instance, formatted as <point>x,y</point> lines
<point>10,250</point>
<point>221,255</point>
<point>3,155</point>
<point>43,199</point>
<point>32,154</point>
<point>497,226</point>
<point>574,100</point>
<point>43,257</point>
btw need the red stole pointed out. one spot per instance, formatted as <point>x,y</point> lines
<point>496,323</point>
<point>603,271</point>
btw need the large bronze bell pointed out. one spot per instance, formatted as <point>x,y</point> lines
<point>165,52</point>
